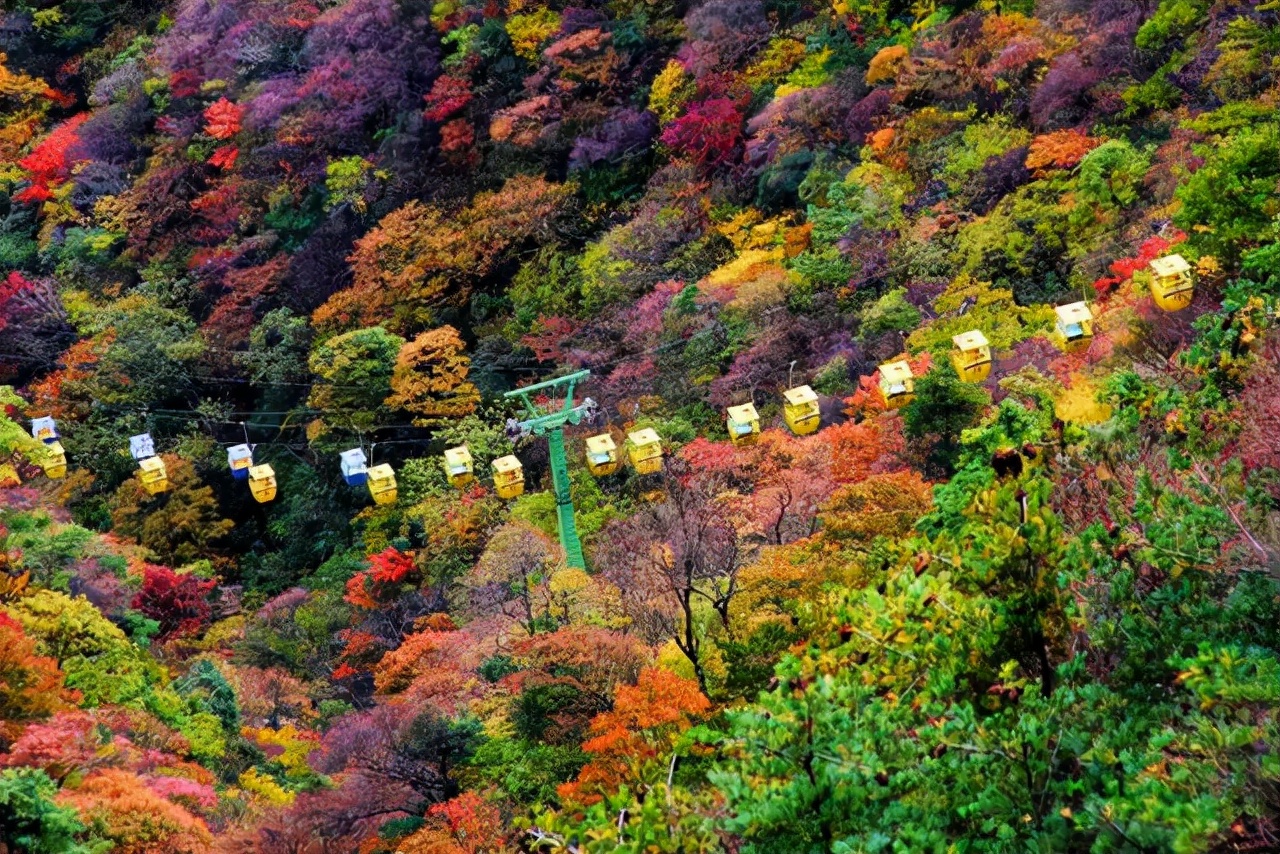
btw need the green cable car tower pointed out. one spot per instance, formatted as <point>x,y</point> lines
<point>551,424</point>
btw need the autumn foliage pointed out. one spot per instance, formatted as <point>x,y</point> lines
<point>50,162</point>
<point>1031,608</point>
<point>420,259</point>
<point>178,602</point>
<point>387,570</point>
<point>1060,149</point>
<point>430,378</point>
<point>222,119</point>
<point>707,134</point>
<point>463,825</point>
<point>31,685</point>
<point>645,719</point>
<point>121,808</point>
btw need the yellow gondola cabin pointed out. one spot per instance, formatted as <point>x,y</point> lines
<point>897,386</point>
<point>55,461</point>
<point>1172,282</point>
<point>382,484</point>
<point>508,477</point>
<point>743,423</point>
<point>458,466</point>
<point>644,448</point>
<point>1075,326</point>
<point>971,356</point>
<point>800,410</point>
<point>153,475</point>
<point>602,455</point>
<point>262,483</point>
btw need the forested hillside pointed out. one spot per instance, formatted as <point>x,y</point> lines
<point>1018,599</point>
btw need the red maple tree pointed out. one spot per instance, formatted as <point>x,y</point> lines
<point>387,570</point>
<point>448,95</point>
<point>222,119</point>
<point>50,162</point>
<point>224,157</point>
<point>178,602</point>
<point>708,133</point>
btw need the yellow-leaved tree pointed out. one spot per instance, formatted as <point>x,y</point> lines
<point>430,378</point>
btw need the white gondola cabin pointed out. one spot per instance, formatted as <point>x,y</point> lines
<point>45,430</point>
<point>602,455</point>
<point>644,448</point>
<point>141,447</point>
<point>897,385</point>
<point>382,484</point>
<point>262,483</point>
<point>153,475</point>
<point>508,477</point>
<point>458,466</point>
<point>971,356</point>
<point>743,423</point>
<point>1074,326</point>
<point>800,410</point>
<point>240,459</point>
<point>1173,285</point>
<point>355,467</point>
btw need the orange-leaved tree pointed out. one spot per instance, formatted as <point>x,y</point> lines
<point>420,259</point>
<point>1061,149</point>
<point>883,505</point>
<point>430,378</point>
<point>638,733</point>
<point>64,393</point>
<point>432,666</point>
<point>30,684</point>
<point>118,806</point>
<point>467,824</point>
<point>594,661</point>
<point>860,448</point>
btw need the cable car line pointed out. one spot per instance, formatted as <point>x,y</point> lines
<point>1172,288</point>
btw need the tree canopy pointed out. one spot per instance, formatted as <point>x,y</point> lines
<point>844,578</point>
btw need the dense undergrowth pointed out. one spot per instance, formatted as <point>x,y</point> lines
<point>1037,613</point>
